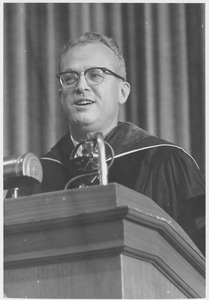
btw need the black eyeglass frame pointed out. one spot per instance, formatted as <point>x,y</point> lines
<point>104,69</point>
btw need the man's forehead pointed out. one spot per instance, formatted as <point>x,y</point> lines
<point>89,47</point>
<point>91,52</point>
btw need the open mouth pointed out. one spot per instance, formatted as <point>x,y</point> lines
<point>83,102</point>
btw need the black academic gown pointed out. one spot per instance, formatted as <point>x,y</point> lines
<point>143,162</point>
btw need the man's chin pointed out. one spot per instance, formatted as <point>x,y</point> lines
<point>84,123</point>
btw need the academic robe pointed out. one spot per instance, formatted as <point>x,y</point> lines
<point>142,162</point>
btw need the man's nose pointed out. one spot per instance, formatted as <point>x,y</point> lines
<point>81,84</point>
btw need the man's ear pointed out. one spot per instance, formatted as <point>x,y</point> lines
<point>124,91</point>
<point>63,103</point>
<point>60,92</point>
<point>60,95</point>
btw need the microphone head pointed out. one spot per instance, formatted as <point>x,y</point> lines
<point>31,166</point>
<point>22,170</point>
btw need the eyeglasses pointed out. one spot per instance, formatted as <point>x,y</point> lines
<point>93,76</point>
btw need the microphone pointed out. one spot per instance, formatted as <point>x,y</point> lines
<point>103,170</point>
<point>22,170</point>
<point>94,147</point>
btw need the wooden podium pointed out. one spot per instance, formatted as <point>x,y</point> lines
<point>97,242</point>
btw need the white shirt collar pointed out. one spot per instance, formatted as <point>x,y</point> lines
<point>75,143</point>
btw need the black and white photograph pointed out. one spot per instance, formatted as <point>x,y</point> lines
<point>104,158</point>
